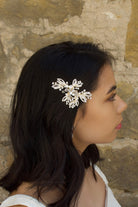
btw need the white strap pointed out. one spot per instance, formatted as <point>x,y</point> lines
<point>111,201</point>
<point>20,199</point>
<point>101,174</point>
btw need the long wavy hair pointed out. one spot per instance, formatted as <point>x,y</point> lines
<point>41,124</point>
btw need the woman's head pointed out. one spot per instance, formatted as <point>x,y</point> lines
<point>41,123</point>
<point>37,102</point>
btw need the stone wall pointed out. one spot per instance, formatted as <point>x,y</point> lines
<point>28,25</point>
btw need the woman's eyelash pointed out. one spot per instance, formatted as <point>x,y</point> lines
<point>112,97</point>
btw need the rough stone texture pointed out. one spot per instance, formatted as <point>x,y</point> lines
<point>5,157</point>
<point>132,36</point>
<point>4,123</point>
<point>125,90</point>
<point>130,121</point>
<point>28,25</point>
<point>34,42</point>
<point>3,194</point>
<point>2,62</point>
<point>16,12</point>
<point>130,128</point>
<point>126,199</point>
<point>120,164</point>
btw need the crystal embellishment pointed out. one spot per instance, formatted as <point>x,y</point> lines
<point>72,94</point>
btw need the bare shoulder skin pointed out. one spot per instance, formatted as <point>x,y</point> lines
<point>91,192</point>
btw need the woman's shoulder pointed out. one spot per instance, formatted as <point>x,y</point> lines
<point>26,196</point>
<point>20,200</point>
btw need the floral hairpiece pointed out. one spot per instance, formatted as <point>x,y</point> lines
<point>71,92</point>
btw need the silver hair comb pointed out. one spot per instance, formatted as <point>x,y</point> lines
<point>71,92</point>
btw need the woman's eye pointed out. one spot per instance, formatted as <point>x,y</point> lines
<point>112,97</point>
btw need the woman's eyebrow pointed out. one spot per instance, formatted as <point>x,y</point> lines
<point>111,89</point>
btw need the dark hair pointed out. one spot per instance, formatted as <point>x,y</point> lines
<point>41,124</point>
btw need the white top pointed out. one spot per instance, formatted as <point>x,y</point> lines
<point>29,201</point>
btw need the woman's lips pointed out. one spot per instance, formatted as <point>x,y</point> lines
<point>119,126</point>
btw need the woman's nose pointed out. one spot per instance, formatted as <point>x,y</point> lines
<point>122,105</point>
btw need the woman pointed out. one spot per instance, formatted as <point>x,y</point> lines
<point>64,104</point>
